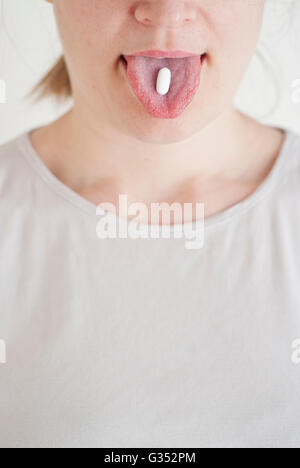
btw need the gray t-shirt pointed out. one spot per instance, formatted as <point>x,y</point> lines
<point>143,343</point>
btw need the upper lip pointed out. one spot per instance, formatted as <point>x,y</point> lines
<point>155,53</point>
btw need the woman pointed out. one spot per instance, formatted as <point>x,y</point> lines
<point>130,342</point>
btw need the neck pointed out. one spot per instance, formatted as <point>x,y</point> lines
<point>100,162</point>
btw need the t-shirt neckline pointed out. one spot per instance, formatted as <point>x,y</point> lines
<point>34,160</point>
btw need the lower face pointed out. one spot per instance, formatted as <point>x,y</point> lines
<point>114,63</point>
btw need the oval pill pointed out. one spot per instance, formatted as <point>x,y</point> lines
<point>163,82</point>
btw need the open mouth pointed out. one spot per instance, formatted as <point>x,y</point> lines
<point>164,85</point>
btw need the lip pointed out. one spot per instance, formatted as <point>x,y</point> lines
<point>155,53</point>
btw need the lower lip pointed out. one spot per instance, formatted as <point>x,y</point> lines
<point>162,114</point>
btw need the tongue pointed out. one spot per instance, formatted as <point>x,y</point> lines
<point>142,74</point>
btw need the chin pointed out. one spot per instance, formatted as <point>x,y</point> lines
<point>149,129</point>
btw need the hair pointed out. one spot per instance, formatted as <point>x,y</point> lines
<point>56,82</point>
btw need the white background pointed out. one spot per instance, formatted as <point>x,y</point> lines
<point>29,45</point>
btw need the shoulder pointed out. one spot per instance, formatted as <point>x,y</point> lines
<point>10,154</point>
<point>286,175</point>
<point>14,169</point>
<point>291,160</point>
<point>12,157</point>
<point>292,149</point>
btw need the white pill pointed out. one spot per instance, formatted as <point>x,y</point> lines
<point>163,82</point>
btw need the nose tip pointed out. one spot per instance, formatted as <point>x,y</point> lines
<point>165,13</point>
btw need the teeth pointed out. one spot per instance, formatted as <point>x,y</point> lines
<point>163,82</point>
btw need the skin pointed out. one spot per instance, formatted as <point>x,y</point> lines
<point>108,144</point>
